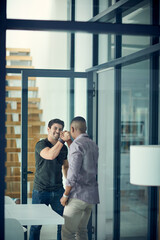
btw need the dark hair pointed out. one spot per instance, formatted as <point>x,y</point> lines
<point>78,119</point>
<point>81,123</point>
<point>56,120</point>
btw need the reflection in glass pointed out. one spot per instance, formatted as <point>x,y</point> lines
<point>139,14</point>
<point>134,131</point>
<point>132,44</point>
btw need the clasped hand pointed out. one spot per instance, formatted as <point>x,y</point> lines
<point>65,135</point>
<point>63,201</point>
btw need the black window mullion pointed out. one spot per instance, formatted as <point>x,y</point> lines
<point>72,62</point>
<point>153,122</point>
<point>24,137</point>
<point>95,37</point>
<point>117,133</point>
<point>117,122</point>
<point>2,110</point>
<point>95,51</point>
<point>90,127</point>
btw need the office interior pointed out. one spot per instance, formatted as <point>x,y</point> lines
<point>95,58</point>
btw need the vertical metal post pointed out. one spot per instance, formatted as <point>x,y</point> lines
<point>95,37</point>
<point>117,134</point>
<point>72,62</point>
<point>95,135</point>
<point>117,152</point>
<point>95,62</point>
<point>2,111</point>
<point>153,122</point>
<point>90,91</point>
<point>24,137</point>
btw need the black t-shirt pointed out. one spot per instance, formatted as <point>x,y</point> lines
<point>48,175</point>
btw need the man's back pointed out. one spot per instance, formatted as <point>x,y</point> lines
<point>83,158</point>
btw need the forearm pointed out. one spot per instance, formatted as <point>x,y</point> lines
<point>64,198</point>
<point>52,153</point>
<point>65,167</point>
<point>67,190</point>
<point>64,170</point>
<point>55,150</point>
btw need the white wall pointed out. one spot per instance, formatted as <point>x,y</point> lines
<point>37,9</point>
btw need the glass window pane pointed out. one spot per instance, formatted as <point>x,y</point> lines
<point>46,49</point>
<point>132,44</point>
<point>83,10</point>
<point>104,4</point>
<point>106,154</point>
<point>83,51</point>
<point>106,48</point>
<point>39,9</point>
<point>139,14</point>
<point>134,131</point>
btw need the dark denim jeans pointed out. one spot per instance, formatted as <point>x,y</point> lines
<point>52,198</point>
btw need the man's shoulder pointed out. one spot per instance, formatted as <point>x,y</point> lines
<point>42,142</point>
<point>85,141</point>
<point>84,138</point>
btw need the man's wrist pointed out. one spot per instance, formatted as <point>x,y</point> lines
<point>69,142</point>
<point>61,140</point>
<point>66,196</point>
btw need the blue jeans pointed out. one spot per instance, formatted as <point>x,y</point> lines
<point>52,198</point>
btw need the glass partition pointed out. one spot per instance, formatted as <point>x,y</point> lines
<point>48,98</point>
<point>47,10</point>
<point>134,131</point>
<point>138,14</point>
<point>132,44</point>
<point>37,49</point>
<point>107,52</point>
<point>105,115</point>
<point>43,105</point>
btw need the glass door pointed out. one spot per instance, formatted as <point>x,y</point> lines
<point>105,118</point>
<point>53,92</point>
<point>48,98</point>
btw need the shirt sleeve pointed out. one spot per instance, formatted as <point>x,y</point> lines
<point>75,164</point>
<point>40,146</point>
